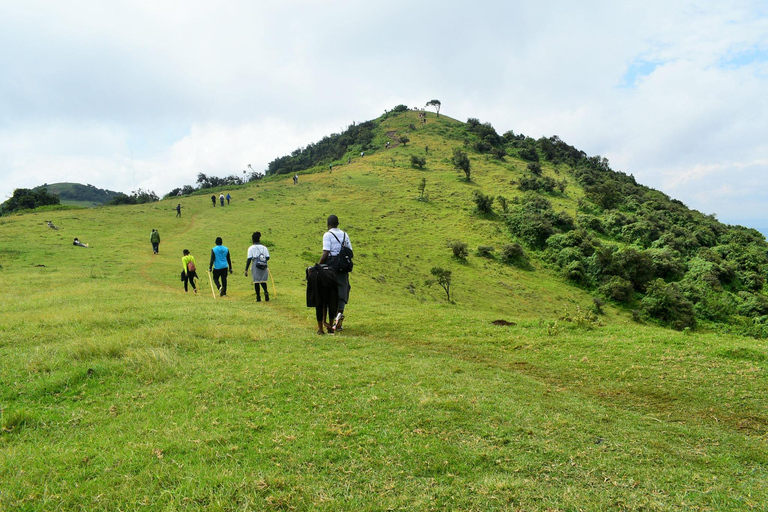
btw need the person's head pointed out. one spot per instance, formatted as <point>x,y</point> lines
<point>185,252</point>
<point>256,237</point>
<point>218,240</point>
<point>76,240</point>
<point>333,221</point>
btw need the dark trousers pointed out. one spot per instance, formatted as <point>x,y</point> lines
<point>155,247</point>
<point>220,273</point>
<point>258,292</point>
<point>189,278</point>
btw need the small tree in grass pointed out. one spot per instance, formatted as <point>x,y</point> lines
<point>459,248</point>
<point>404,140</point>
<point>461,162</point>
<point>422,188</point>
<point>418,161</point>
<point>504,203</point>
<point>484,203</point>
<point>443,278</point>
<point>436,104</point>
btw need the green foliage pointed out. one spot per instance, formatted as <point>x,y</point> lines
<point>436,105</point>
<point>77,193</point>
<point>418,161</point>
<point>459,249</point>
<point>618,289</point>
<point>422,187</point>
<point>485,251</point>
<point>443,278</point>
<point>461,162</point>
<point>140,196</point>
<point>535,168</point>
<point>27,199</point>
<point>400,108</point>
<point>504,203</point>
<point>404,139</point>
<point>333,147</point>
<point>483,203</point>
<point>665,302</point>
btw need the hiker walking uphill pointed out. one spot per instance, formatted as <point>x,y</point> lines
<point>258,255</point>
<point>228,197</point>
<point>220,263</point>
<point>189,272</point>
<point>178,210</point>
<point>154,238</point>
<point>221,199</point>
<point>337,254</point>
<point>213,200</point>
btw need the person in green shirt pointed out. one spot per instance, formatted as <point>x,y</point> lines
<point>155,239</point>
<point>189,272</point>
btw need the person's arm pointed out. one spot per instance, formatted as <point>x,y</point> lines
<point>229,261</point>
<point>247,264</point>
<point>213,258</point>
<point>184,265</point>
<point>324,257</point>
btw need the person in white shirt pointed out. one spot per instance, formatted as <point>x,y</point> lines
<point>332,242</point>
<point>258,255</point>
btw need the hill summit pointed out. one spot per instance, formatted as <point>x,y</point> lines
<point>597,228</point>
<point>77,194</point>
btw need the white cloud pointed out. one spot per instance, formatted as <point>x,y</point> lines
<point>200,87</point>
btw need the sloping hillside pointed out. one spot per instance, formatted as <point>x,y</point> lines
<point>118,390</point>
<point>77,194</point>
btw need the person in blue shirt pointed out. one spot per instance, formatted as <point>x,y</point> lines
<point>220,262</point>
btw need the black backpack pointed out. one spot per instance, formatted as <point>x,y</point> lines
<point>343,262</point>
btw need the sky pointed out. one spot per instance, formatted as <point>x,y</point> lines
<point>147,94</point>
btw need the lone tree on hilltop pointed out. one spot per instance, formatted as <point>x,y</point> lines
<point>404,140</point>
<point>436,104</point>
<point>461,162</point>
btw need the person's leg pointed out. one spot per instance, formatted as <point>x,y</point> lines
<point>320,315</point>
<point>266,293</point>
<point>216,276</point>
<point>224,282</point>
<point>192,277</point>
<point>258,293</point>
<point>185,281</point>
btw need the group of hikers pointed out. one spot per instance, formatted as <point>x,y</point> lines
<point>221,199</point>
<point>327,281</point>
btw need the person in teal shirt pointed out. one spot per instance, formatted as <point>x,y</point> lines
<point>219,263</point>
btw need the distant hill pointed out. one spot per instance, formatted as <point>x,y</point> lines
<point>77,194</point>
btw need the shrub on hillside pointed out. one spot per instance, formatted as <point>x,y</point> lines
<point>418,161</point>
<point>513,253</point>
<point>666,303</point>
<point>460,249</point>
<point>535,168</point>
<point>485,251</point>
<point>26,199</point>
<point>483,202</point>
<point>618,289</point>
<point>504,203</point>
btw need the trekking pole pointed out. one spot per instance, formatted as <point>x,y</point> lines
<point>274,291</point>
<point>211,283</point>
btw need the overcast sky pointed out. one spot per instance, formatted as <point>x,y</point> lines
<point>124,94</point>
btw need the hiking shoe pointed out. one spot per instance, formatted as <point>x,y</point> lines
<point>337,322</point>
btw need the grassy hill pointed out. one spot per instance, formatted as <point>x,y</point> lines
<point>120,391</point>
<point>77,194</point>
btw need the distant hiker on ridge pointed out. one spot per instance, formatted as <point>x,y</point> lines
<point>213,200</point>
<point>219,263</point>
<point>154,237</point>
<point>228,197</point>
<point>295,179</point>
<point>221,199</point>
<point>178,210</point>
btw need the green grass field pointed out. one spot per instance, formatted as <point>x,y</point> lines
<point>121,392</point>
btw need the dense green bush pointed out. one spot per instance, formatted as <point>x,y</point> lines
<point>26,199</point>
<point>485,251</point>
<point>665,302</point>
<point>418,161</point>
<point>483,202</point>
<point>460,249</point>
<point>618,289</point>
